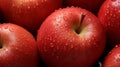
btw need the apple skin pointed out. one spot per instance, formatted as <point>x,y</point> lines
<point>91,5</point>
<point>28,13</point>
<point>113,57</point>
<point>109,16</point>
<point>59,44</point>
<point>17,47</point>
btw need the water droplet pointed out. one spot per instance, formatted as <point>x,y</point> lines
<point>65,18</point>
<point>110,52</point>
<point>89,19</point>
<point>51,45</point>
<point>117,58</point>
<point>66,44</point>
<point>117,46</point>
<point>28,7</point>
<point>11,30</point>
<point>61,27</point>
<point>13,5</point>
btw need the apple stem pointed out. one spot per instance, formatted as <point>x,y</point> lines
<point>78,30</point>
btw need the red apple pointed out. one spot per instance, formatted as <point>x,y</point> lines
<point>113,58</point>
<point>109,15</point>
<point>17,47</point>
<point>91,5</point>
<point>28,13</point>
<point>71,37</point>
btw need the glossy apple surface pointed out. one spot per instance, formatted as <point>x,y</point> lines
<point>113,58</point>
<point>91,5</point>
<point>17,47</point>
<point>109,15</point>
<point>28,13</point>
<point>59,43</point>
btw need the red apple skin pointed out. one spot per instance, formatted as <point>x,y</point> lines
<point>28,13</point>
<point>59,44</point>
<point>109,15</point>
<point>113,58</point>
<point>17,47</point>
<point>91,5</point>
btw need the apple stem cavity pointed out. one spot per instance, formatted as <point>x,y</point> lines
<point>1,45</point>
<point>78,30</point>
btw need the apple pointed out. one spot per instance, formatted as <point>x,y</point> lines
<point>71,37</point>
<point>17,47</point>
<point>28,13</point>
<point>91,5</point>
<point>113,58</point>
<point>109,15</point>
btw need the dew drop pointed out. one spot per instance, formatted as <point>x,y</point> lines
<point>28,7</point>
<point>51,45</point>
<point>65,18</point>
<point>117,57</point>
<point>11,30</point>
<point>61,27</point>
<point>110,52</point>
<point>66,44</point>
<point>6,27</point>
<point>117,46</point>
<point>13,5</point>
<point>107,11</point>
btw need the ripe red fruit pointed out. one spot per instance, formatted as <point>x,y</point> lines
<point>28,13</point>
<point>71,37</point>
<point>91,5</point>
<point>109,16</point>
<point>113,58</point>
<point>17,47</point>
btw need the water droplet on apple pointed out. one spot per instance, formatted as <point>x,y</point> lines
<point>117,57</point>
<point>28,7</point>
<point>13,5</point>
<point>109,53</point>
<point>113,15</point>
<point>61,27</point>
<point>107,11</point>
<point>117,46</point>
<point>89,19</point>
<point>66,44</point>
<point>6,50</point>
<point>51,45</point>
<point>37,4</point>
<point>11,30</point>
<point>65,18</point>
